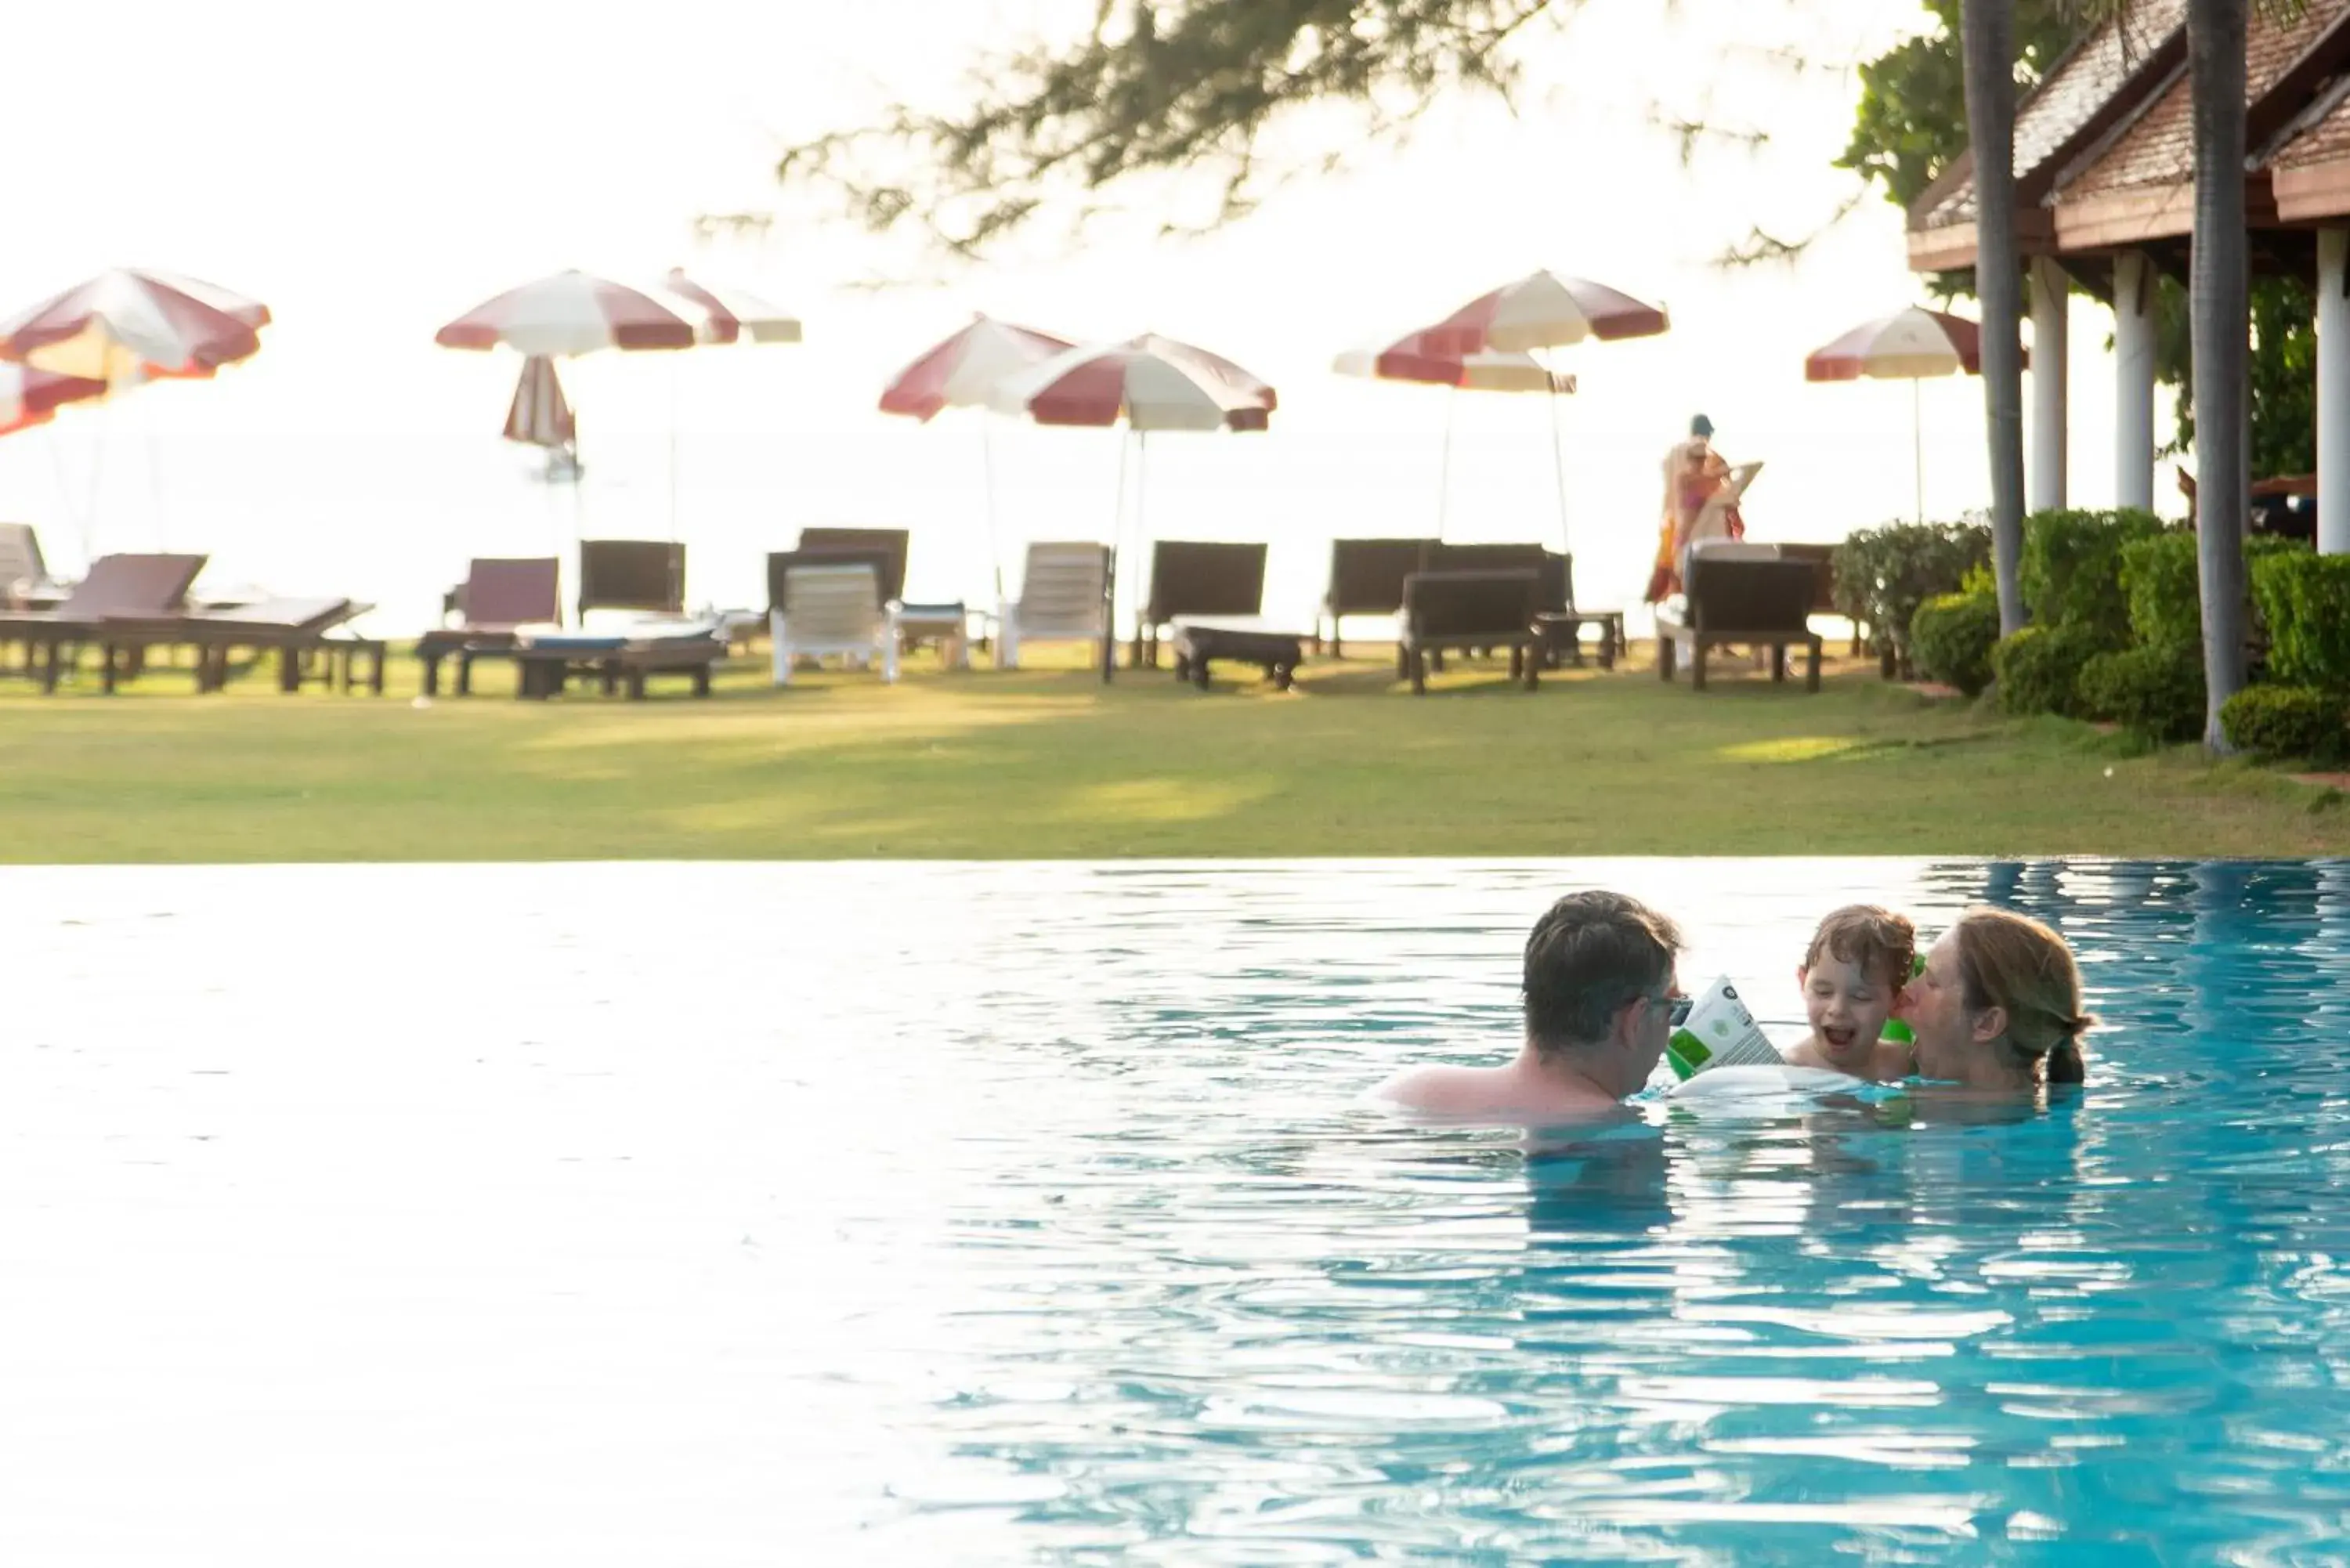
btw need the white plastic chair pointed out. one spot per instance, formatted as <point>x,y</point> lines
<point>831,611</point>
<point>1063,597</point>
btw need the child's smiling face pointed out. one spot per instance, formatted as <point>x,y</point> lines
<point>1847,1006</point>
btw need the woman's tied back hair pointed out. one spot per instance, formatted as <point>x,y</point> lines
<point>1882,943</point>
<point>1589,956</point>
<point>2013,962</point>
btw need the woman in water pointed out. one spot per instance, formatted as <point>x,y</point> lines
<point>1999,1005</point>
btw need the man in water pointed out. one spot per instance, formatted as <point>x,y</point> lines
<point>1599,991</point>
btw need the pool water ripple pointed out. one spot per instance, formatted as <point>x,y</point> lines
<point>752,1214</point>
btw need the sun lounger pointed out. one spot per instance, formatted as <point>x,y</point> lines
<point>1064,596</point>
<point>1742,594</point>
<point>1469,609</point>
<point>1245,639</point>
<point>1823,600</point>
<point>1366,579</point>
<point>300,631</point>
<point>117,586</point>
<point>545,661</point>
<point>830,608</point>
<point>1194,578</point>
<point>887,547</point>
<point>25,580</point>
<point>644,574</point>
<point>499,598</point>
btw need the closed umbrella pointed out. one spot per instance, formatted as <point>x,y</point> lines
<point>1411,359</point>
<point>960,372</point>
<point>541,415</point>
<point>1147,383</point>
<point>1910,344</point>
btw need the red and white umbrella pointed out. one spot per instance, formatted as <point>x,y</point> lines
<point>540,415</point>
<point>959,372</point>
<point>1409,358</point>
<point>1910,344</point>
<point>962,370</point>
<point>1544,310</point>
<point>735,315</point>
<point>573,313</point>
<point>1150,383</point>
<point>30,396</point>
<point>127,326</point>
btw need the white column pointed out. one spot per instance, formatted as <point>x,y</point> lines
<point>2333,391</point>
<point>2050,290</point>
<point>2134,380</point>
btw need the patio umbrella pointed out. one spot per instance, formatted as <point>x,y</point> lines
<point>568,314</point>
<point>1147,383</point>
<point>959,372</point>
<point>735,315</point>
<point>1909,345</point>
<point>1409,358</point>
<point>1544,310</point>
<point>126,326</point>
<point>29,396</point>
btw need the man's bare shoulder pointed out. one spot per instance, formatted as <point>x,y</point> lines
<point>1491,1094</point>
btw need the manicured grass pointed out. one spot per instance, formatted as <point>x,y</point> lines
<point>1050,764</point>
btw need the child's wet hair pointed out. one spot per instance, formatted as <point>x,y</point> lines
<point>1883,944</point>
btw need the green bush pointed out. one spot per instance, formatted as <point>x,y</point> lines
<point>2039,668</point>
<point>1952,634</point>
<point>1883,575</point>
<point>2156,692</point>
<point>2071,572</point>
<point>2288,722</point>
<point>2305,600</point>
<point>2164,583</point>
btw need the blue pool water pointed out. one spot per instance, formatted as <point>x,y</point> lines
<point>732,1214</point>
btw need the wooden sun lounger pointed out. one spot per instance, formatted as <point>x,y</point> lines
<point>548,662</point>
<point>117,587</point>
<point>299,631</point>
<point>500,596</point>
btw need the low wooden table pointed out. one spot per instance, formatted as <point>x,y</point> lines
<point>1561,633</point>
<point>1250,639</point>
<point>544,667</point>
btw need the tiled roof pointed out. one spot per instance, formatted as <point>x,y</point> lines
<point>2323,142</point>
<point>2069,95</point>
<point>2159,149</point>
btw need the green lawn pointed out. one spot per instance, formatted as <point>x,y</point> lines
<point>1051,765</point>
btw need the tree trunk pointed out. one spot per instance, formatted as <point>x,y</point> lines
<point>2220,312</point>
<point>1987,36</point>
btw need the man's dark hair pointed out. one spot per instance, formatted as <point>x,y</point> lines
<point>1589,956</point>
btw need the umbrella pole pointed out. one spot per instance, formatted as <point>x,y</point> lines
<point>672,448</point>
<point>1558,463</point>
<point>987,485</point>
<point>1116,537</point>
<point>1444,462</point>
<point>1917,448</point>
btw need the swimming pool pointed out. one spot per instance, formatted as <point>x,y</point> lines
<point>735,1214</point>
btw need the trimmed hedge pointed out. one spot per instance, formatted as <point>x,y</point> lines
<point>1952,638</point>
<point>1883,575</point>
<point>2153,692</point>
<point>2288,722</point>
<point>2305,599</point>
<point>2039,668</point>
<point>2071,573</point>
<point>2163,581</point>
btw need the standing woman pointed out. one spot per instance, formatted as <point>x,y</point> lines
<point>1694,472</point>
<point>1999,1005</point>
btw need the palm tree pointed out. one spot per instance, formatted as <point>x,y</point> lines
<point>1987,40</point>
<point>2219,306</point>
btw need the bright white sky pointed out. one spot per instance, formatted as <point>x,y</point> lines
<point>370,181</point>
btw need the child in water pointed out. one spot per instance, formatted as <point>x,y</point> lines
<point>1852,978</point>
